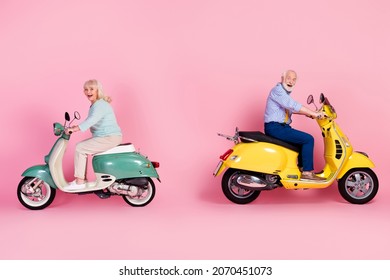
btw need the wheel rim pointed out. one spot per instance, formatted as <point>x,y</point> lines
<point>37,196</point>
<point>143,195</point>
<point>359,185</point>
<point>236,190</point>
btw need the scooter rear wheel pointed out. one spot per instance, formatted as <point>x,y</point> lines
<point>359,185</point>
<point>36,197</point>
<point>144,197</point>
<point>236,193</point>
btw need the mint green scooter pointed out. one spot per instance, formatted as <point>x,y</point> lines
<point>119,171</point>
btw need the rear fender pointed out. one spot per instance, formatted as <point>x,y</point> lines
<point>143,181</point>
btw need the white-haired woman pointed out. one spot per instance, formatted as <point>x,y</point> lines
<point>101,121</point>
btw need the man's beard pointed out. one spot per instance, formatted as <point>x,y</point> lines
<point>287,87</point>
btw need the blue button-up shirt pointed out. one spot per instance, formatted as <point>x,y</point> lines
<point>280,106</point>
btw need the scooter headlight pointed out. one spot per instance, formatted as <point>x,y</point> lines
<point>58,129</point>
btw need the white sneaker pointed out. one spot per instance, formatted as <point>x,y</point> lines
<point>74,186</point>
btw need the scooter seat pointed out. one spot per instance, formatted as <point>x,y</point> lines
<point>122,148</point>
<point>261,137</point>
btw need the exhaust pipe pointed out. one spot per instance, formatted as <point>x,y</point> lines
<point>253,183</point>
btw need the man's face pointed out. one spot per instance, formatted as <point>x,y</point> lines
<point>289,80</point>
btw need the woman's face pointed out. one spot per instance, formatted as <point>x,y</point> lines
<point>91,93</point>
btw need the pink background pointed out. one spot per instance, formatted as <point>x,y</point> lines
<point>179,72</point>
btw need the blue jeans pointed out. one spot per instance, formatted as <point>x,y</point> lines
<point>298,138</point>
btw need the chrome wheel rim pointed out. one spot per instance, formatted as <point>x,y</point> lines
<point>359,185</point>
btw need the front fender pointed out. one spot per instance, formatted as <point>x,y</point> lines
<point>356,160</point>
<point>41,172</point>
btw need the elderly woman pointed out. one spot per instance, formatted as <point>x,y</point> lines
<point>105,130</point>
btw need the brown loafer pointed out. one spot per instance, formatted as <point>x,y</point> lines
<point>310,176</point>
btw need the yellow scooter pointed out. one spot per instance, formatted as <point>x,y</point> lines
<point>259,162</point>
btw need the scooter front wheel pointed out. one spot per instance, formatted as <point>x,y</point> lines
<point>35,194</point>
<point>235,193</point>
<point>144,195</point>
<point>359,185</point>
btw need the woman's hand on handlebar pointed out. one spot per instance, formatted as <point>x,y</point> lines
<point>70,130</point>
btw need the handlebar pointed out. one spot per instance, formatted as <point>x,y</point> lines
<point>76,116</point>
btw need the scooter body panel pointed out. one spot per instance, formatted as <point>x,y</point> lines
<point>262,157</point>
<point>41,172</point>
<point>124,165</point>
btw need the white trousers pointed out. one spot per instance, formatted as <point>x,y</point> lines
<point>92,146</point>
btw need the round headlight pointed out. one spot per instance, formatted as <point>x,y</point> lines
<point>58,129</point>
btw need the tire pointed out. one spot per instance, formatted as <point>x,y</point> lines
<point>235,193</point>
<point>359,186</point>
<point>39,198</point>
<point>144,198</point>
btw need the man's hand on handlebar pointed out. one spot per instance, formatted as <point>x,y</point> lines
<point>321,115</point>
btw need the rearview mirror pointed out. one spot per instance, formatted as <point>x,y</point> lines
<point>322,98</point>
<point>67,117</point>
<point>310,99</point>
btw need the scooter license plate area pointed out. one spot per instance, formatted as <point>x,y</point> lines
<point>218,168</point>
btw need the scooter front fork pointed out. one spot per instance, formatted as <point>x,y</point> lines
<point>31,187</point>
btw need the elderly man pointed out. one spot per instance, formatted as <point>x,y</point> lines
<point>279,108</point>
